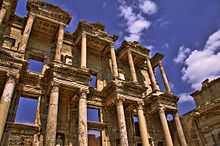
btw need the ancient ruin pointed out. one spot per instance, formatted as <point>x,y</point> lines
<point>202,125</point>
<point>85,91</point>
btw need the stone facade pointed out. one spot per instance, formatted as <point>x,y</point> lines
<point>125,84</point>
<point>203,125</point>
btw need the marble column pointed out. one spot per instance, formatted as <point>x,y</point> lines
<point>132,67</point>
<point>121,123</point>
<point>2,14</point>
<point>164,77</point>
<point>5,102</point>
<point>26,33</point>
<point>59,44</point>
<point>114,62</point>
<point>165,127</point>
<point>51,128</point>
<point>83,50</point>
<point>152,76</point>
<point>180,130</point>
<point>143,126</point>
<point>83,139</point>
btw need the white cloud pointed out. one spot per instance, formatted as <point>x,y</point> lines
<point>148,7</point>
<point>136,23</point>
<point>133,37</point>
<point>138,26</point>
<point>213,43</point>
<point>150,47</point>
<point>203,64</point>
<point>182,54</point>
<point>185,97</point>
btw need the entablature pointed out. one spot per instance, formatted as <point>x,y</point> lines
<point>156,59</point>
<point>161,99</point>
<point>129,91</point>
<point>10,62</point>
<point>69,75</point>
<point>138,52</point>
<point>48,11</point>
<point>211,107</point>
<point>97,38</point>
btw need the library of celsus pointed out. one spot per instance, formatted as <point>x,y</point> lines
<point>76,88</point>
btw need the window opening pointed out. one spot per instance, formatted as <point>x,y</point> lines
<point>21,8</point>
<point>35,65</point>
<point>136,125</point>
<point>93,81</point>
<point>26,111</point>
<point>93,114</point>
<point>170,117</point>
<point>94,137</point>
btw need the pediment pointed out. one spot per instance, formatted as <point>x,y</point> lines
<point>49,10</point>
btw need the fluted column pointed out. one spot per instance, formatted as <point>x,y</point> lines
<point>164,77</point>
<point>180,130</point>
<point>143,126</point>
<point>83,50</point>
<point>59,42</point>
<point>121,123</point>
<point>165,126</point>
<point>114,62</point>
<point>2,14</point>
<point>132,68</point>
<point>51,128</point>
<point>26,33</point>
<point>152,76</point>
<point>5,102</point>
<point>83,139</point>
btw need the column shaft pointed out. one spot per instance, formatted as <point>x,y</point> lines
<point>121,123</point>
<point>132,68</point>
<point>83,139</point>
<point>152,76</point>
<point>180,130</point>
<point>52,117</point>
<point>164,77</point>
<point>83,50</point>
<point>26,33</point>
<point>110,65</point>
<point>5,102</point>
<point>114,62</point>
<point>165,126</point>
<point>143,127</point>
<point>59,43</point>
<point>2,14</point>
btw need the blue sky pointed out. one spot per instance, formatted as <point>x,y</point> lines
<point>187,32</point>
<point>26,108</point>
